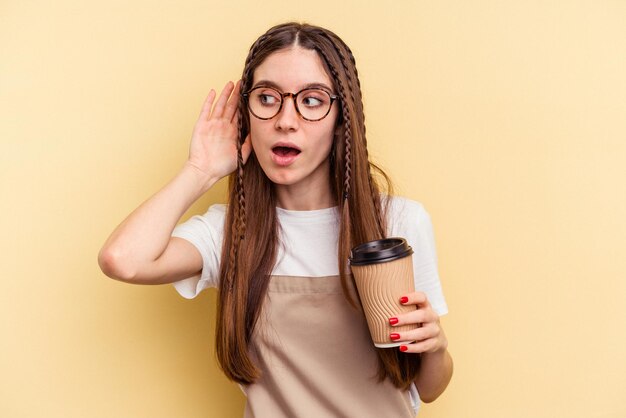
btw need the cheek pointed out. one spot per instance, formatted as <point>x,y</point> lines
<point>256,134</point>
<point>329,135</point>
<point>324,145</point>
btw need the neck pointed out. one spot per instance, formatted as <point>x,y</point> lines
<point>304,197</point>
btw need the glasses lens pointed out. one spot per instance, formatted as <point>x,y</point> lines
<point>313,104</point>
<point>264,102</point>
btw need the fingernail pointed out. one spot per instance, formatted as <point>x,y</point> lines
<point>403,348</point>
<point>394,336</point>
<point>393,321</point>
<point>404,299</point>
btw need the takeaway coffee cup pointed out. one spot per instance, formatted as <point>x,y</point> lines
<point>383,272</point>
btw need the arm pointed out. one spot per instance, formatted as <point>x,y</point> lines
<point>141,250</point>
<point>435,374</point>
<point>430,340</point>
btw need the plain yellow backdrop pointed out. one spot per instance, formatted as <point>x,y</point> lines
<point>506,119</point>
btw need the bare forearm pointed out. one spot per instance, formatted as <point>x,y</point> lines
<point>144,234</point>
<point>435,374</point>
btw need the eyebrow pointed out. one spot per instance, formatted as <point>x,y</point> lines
<point>268,83</point>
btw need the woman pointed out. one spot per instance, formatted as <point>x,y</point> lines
<point>291,134</point>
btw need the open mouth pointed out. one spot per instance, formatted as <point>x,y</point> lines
<point>285,151</point>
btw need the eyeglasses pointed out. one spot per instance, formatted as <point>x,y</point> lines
<point>312,104</point>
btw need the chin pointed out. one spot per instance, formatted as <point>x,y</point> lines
<point>283,179</point>
<point>281,176</point>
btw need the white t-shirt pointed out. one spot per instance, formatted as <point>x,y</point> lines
<point>308,245</point>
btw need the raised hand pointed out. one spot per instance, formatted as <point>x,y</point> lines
<point>213,148</point>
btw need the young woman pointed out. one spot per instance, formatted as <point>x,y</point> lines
<point>291,135</point>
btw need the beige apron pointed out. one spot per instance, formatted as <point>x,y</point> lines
<point>316,357</point>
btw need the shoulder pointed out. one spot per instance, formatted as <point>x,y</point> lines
<point>208,223</point>
<point>407,218</point>
<point>217,211</point>
<point>401,209</point>
<point>214,215</point>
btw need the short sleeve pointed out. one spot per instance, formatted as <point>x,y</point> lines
<point>408,219</point>
<point>205,232</point>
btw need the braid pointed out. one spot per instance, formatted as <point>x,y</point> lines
<point>348,138</point>
<point>373,190</point>
<point>239,227</point>
<point>347,124</point>
<point>358,83</point>
<point>240,189</point>
<point>246,78</point>
<point>359,103</point>
<point>254,49</point>
<point>239,230</point>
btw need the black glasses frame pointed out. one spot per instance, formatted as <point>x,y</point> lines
<point>294,96</point>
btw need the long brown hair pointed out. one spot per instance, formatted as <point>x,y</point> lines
<point>251,226</point>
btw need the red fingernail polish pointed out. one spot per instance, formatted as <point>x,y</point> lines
<point>394,336</point>
<point>404,299</point>
<point>393,321</point>
<point>403,348</point>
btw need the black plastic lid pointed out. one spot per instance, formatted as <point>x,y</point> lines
<point>380,251</point>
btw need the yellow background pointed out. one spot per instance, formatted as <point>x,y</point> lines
<point>506,119</point>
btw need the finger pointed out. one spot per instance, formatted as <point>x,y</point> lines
<point>218,111</point>
<point>418,316</point>
<point>419,334</point>
<point>206,106</point>
<point>246,149</point>
<point>235,119</point>
<point>415,298</point>
<point>419,347</point>
<point>233,102</point>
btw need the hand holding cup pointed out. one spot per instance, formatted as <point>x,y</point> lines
<point>429,336</point>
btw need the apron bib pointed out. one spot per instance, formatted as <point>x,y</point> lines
<point>316,357</point>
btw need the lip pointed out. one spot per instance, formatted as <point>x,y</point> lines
<point>286,144</point>
<point>285,160</point>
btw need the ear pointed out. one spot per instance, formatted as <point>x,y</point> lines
<point>246,149</point>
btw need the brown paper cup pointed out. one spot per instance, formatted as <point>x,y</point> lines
<point>383,274</point>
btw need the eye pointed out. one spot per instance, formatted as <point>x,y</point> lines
<point>267,97</point>
<point>314,98</point>
<point>311,101</point>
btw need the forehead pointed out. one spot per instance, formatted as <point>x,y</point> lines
<point>292,68</point>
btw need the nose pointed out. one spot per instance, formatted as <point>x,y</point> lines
<point>288,118</point>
